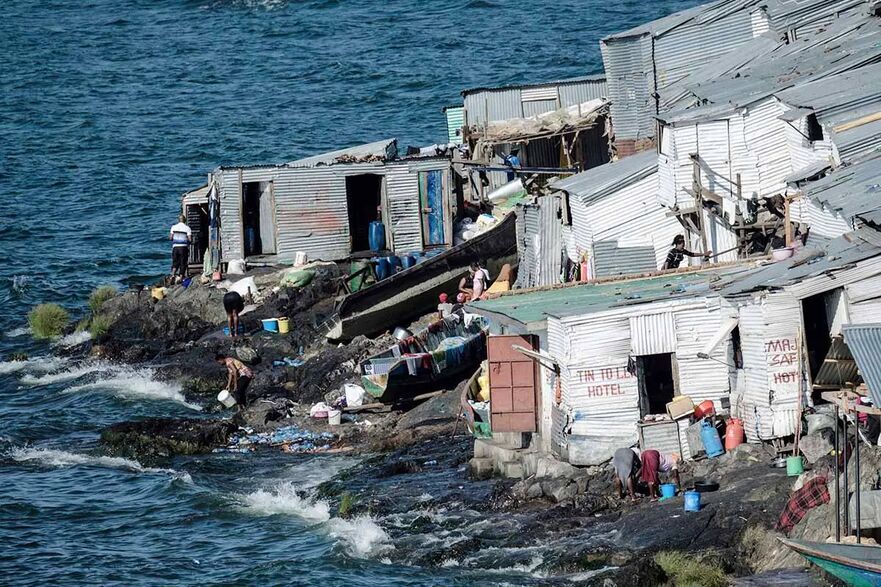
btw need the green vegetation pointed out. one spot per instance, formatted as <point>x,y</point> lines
<point>347,504</point>
<point>686,570</point>
<point>99,296</point>
<point>99,326</point>
<point>83,325</point>
<point>48,320</point>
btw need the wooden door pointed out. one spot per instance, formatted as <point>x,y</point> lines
<point>513,383</point>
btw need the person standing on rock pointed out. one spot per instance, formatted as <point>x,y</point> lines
<point>653,462</point>
<point>180,237</point>
<point>240,376</point>
<point>626,463</point>
<point>233,304</point>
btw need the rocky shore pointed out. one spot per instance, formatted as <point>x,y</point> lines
<point>414,458</point>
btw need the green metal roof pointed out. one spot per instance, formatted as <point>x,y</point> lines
<point>533,308</point>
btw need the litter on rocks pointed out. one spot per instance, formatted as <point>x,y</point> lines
<point>288,362</point>
<point>290,438</point>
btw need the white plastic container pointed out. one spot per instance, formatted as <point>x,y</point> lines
<point>226,398</point>
<point>355,395</point>
<point>236,267</point>
<point>334,417</point>
<point>300,259</point>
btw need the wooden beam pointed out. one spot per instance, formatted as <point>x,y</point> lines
<point>858,122</point>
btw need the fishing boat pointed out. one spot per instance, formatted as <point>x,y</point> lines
<point>857,565</point>
<point>413,292</point>
<point>444,351</point>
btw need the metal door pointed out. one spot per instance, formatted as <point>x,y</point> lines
<point>431,198</point>
<point>267,218</point>
<point>513,384</point>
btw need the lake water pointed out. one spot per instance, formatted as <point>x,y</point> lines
<point>111,109</point>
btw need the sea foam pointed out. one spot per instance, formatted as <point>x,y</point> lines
<point>61,458</point>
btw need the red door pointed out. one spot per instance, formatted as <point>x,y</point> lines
<point>513,383</point>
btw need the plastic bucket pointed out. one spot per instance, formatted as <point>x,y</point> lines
<point>668,490</point>
<point>284,325</point>
<point>794,466</point>
<point>226,330</point>
<point>383,269</point>
<point>408,261</point>
<point>270,324</point>
<point>226,398</point>
<point>334,417</point>
<point>692,501</point>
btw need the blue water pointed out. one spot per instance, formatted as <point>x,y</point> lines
<point>109,110</point>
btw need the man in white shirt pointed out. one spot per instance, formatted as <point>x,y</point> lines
<point>180,236</point>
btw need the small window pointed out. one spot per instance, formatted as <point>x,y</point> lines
<point>815,131</point>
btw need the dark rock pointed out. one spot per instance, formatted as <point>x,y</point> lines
<point>163,437</point>
<point>442,408</point>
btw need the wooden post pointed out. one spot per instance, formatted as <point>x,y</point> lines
<point>698,200</point>
<point>787,228</point>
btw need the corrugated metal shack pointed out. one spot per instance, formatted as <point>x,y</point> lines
<point>790,316</point>
<point>486,104</point>
<point>617,219</point>
<point>845,199</point>
<point>559,124</point>
<point>624,348</point>
<point>542,234</point>
<point>323,205</point>
<point>647,66</point>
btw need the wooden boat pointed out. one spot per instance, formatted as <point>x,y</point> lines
<point>857,565</point>
<point>414,292</point>
<point>442,352</point>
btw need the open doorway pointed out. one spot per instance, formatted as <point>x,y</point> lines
<point>198,221</point>
<point>364,201</point>
<point>656,388</point>
<point>258,218</point>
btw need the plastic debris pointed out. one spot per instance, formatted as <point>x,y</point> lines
<point>290,438</point>
<point>288,362</point>
<point>319,410</point>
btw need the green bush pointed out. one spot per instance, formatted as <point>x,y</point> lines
<point>48,320</point>
<point>690,570</point>
<point>99,296</point>
<point>99,326</point>
<point>83,325</point>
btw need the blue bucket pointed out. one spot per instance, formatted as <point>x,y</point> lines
<point>270,324</point>
<point>692,501</point>
<point>668,490</point>
<point>226,330</point>
<point>394,263</point>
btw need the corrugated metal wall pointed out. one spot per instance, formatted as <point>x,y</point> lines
<point>766,139</point>
<point>823,223</point>
<point>630,79</point>
<point>652,334</point>
<point>455,122</point>
<point>311,210</point>
<point>696,324</point>
<point>505,103</point>
<point>769,327</point>
<point>627,231</point>
<point>687,47</point>
<point>489,105</point>
<point>402,190</point>
<point>541,247</point>
<point>804,153</point>
<point>312,214</point>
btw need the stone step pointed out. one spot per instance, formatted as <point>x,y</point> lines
<point>511,469</point>
<point>481,468</point>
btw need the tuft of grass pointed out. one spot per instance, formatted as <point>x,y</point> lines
<point>347,504</point>
<point>99,326</point>
<point>83,325</point>
<point>99,296</point>
<point>686,570</point>
<point>48,320</point>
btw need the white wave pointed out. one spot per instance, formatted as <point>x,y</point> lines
<point>73,339</point>
<point>16,332</point>
<point>317,470</point>
<point>35,365</point>
<point>132,383</point>
<point>362,537</point>
<point>285,498</point>
<point>71,374</point>
<point>62,458</point>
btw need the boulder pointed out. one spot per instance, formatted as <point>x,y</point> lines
<point>442,408</point>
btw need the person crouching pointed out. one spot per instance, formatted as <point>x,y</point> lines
<point>240,376</point>
<point>654,463</point>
